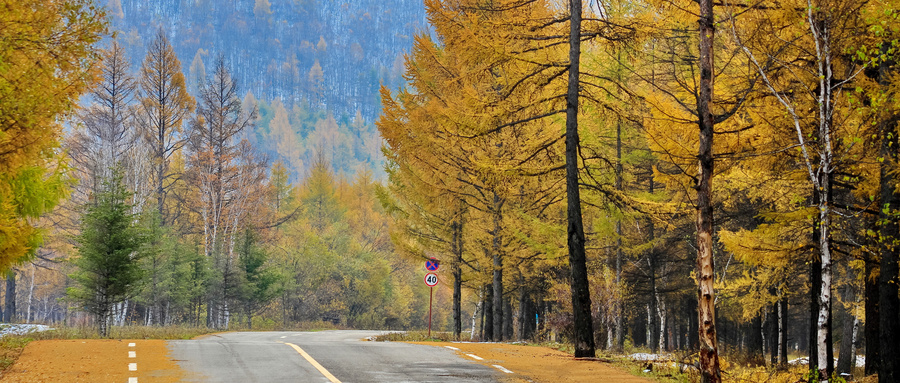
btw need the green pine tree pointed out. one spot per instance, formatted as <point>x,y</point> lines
<point>108,269</point>
<point>260,283</point>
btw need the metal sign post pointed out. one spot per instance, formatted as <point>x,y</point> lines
<point>431,280</point>
<point>430,298</point>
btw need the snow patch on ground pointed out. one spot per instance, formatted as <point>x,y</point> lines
<point>860,361</point>
<point>21,329</point>
<point>645,357</point>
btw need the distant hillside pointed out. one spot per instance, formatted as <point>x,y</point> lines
<point>331,54</point>
<point>322,56</point>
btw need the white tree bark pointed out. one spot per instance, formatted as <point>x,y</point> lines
<point>30,295</point>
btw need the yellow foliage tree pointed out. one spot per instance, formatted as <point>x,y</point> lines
<point>47,60</point>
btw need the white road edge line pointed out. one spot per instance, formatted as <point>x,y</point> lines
<point>476,357</point>
<point>132,354</point>
<point>313,362</point>
<point>452,348</point>
<point>131,345</point>
<point>132,380</point>
<point>132,366</point>
<point>284,337</point>
<point>501,368</point>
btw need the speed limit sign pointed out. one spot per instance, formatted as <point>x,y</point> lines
<point>431,279</point>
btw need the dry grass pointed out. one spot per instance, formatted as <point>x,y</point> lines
<point>11,346</point>
<point>415,336</point>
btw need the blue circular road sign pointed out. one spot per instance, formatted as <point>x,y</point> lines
<point>432,264</point>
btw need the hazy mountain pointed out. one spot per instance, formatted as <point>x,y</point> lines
<point>326,54</point>
<point>320,62</point>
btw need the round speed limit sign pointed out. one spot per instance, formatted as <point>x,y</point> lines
<point>431,279</point>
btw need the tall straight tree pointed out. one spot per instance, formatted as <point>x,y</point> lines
<point>889,301</point>
<point>581,297</point>
<point>108,132</point>
<point>226,177</point>
<point>165,105</point>
<point>706,308</point>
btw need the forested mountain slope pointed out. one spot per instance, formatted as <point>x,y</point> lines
<point>327,54</point>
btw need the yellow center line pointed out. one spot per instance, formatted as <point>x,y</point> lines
<point>314,363</point>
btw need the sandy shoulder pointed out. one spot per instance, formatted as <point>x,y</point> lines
<point>92,360</point>
<point>540,364</point>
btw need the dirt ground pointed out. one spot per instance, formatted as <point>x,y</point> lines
<point>93,361</point>
<point>541,364</point>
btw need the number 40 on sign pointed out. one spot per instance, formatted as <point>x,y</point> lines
<point>431,279</point>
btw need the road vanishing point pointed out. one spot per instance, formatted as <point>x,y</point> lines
<point>327,356</point>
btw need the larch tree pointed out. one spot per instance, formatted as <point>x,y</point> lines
<point>227,177</point>
<point>581,299</point>
<point>165,106</point>
<point>48,53</point>
<point>108,132</point>
<point>709,351</point>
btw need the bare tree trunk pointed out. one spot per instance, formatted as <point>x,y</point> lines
<point>846,354</point>
<point>709,352</point>
<point>498,271</point>
<point>755,340</point>
<point>475,316</point>
<point>652,308</point>
<point>661,315</point>
<point>456,268</point>
<point>619,308</point>
<point>507,319</point>
<point>521,329</point>
<point>30,295</point>
<point>487,322</point>
<point>782,330</point>
<point>9,312</point>
<point>889,303</point>
<point>815,278</point>
<point>873,321</point>
<point>581,298</point>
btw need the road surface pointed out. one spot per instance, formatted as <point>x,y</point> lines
<point>325,356</point>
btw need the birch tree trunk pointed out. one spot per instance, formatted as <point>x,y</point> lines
<point>619,337</point>
<point>821,36</point>
<point>782,330</point>
<point>30,295</point>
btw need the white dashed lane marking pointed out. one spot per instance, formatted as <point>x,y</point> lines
<point>501,368</point>
<point>132,366</point>
<point>476,357</point>
<point>452,348</point>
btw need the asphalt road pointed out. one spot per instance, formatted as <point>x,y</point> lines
<point>325,356</point>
